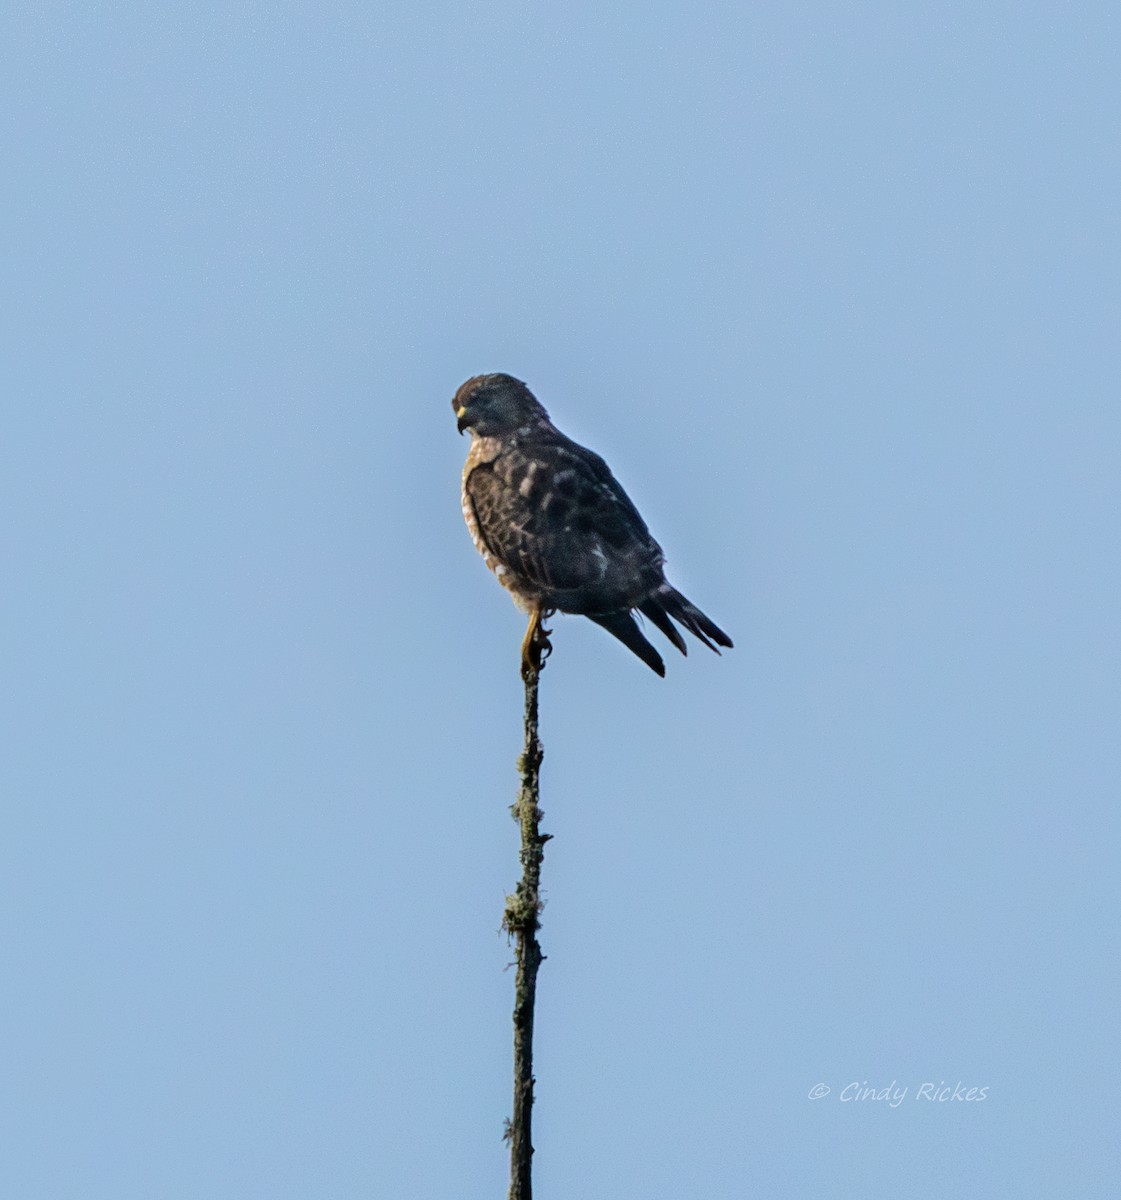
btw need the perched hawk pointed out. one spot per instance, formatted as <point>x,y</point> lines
<point>558,531</point>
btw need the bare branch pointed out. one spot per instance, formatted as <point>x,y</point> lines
<point>521,921</point>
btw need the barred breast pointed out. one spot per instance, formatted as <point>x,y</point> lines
<point>485,450</point>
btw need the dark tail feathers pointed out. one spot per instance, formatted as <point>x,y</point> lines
<point>668,602</point>
<point>664,604</point>
<point>626,629</point>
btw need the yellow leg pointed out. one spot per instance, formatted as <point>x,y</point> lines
<point>536,646</point>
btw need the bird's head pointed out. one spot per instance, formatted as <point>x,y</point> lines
<point>491,405</point>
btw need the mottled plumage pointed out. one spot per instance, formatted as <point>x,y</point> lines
<point>555,527</point>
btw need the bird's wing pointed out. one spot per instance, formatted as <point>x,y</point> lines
<point>554,514</point>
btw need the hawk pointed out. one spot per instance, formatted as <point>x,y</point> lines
<point>558,531</point>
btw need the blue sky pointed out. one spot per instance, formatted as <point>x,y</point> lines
<point>833,287</point>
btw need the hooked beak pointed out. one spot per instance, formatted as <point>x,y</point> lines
<point>462,422</point>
